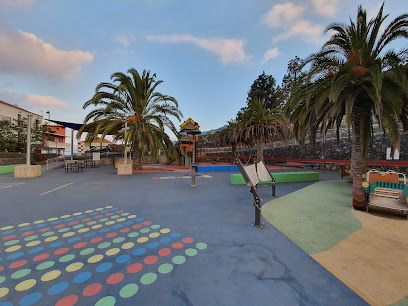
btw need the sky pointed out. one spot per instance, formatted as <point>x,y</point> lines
<point>54,53</point>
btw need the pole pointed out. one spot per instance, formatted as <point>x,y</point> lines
<point>72,144</point>
<point>125,142</point>
<point>28,156</point>
<point>56,147</point>
<point>193,166</point>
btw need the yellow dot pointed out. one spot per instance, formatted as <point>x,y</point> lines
<point>6,227</point>
<point>120,219</point>
<point>96,226</point>
<point>68,234</point>
<point>77,214</point>
<point>132,216</point>
<point>27,284</point>
<point>98,209</point>
<point>89,211</point>
<point>4,291</point>
<point>95,258</point>
<point>112,251</point>
<point>127,245</point>
<point>74,266</point>
<point>52,238</point>
<point>110,222</point>
<point>154,235</point>
<point>83,230</point>
<point>23,224</point>
<point>142,239</point>
<point>33,243</point>
<point>50,275</point>
<point>38,221</point>
<point>52,219</point>
<point>65,216</point>
<point>108,206</point>
<point>366,184</point>
<point>164,230</point>
<point>13,248</point>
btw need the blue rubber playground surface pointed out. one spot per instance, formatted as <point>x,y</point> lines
<point>95,238</point>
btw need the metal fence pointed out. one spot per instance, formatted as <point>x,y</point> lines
<point>58,162</point>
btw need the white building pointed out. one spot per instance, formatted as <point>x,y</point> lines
<point>12,112</point>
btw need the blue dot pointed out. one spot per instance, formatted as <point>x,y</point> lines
<point>128,222</point>
<point>69,219</point>
<point>56,222</point>
<point>112,209</point>
<point>1,259</point>
<point>15,255</point>
<point>104,267</point>
<point>41,225</point>
<point>104,230</point>
<point>122,258</point>
<point>139,219</point>
<point>82,277</point>
<point>8,232</point>
<point>35,250</point>
<point>153,245</point>
<point>31,299</point>
<point>58,288</point>
<point>6,304</point>
<point>103,211</point>
<point>117,226</point>
<point>26,228</point>
<point>81,216</point>
<point>89,235</point>
<point>56,244</point>
<point>139,251</point>
<point>175,235</point>
<point>73,239</point>
<point>93,214</point>
<point>165,239</point>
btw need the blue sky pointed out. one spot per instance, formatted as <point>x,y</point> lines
<point>208,53</point>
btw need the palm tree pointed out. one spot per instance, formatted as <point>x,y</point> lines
<point>259,125</point>
<point>228,137</point>
<point>355,78</point>
<point>133,98</point>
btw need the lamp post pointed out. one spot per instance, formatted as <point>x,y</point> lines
<point>48,112</point>
<point>28,156</point>
<point>125,141</point>
<point>194,133</point>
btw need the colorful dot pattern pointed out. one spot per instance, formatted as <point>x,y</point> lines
<point>75,259</point>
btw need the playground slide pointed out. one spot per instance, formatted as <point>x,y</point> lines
<point>187,159</point>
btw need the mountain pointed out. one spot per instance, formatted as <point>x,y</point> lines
<point>214,130</point>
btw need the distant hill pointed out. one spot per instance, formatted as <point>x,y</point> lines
<point>214,130</point>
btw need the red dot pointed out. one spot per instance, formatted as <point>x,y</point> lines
<point>177,245</point>
<point>92,289</point>
<point>44,229</point>
<point>98,216</point>
<point>27,233</point>
<point>115,278</point>
<point>136,226</point>
<point>18,264</point>
<point>188,240</point>
<point>80,245</point>
<point>86,219</point>
<point>1,268</point>
<point>109,214</point>
<point>118,211</point>
<point>59,226</point>
<point>110,235</point>
<point>164,252</point>
<point>149,260</point>
<point>9,237</point>
<point>124,230</point>
<point>41,257</point>
<point>97,239</point>
<point>147,223</point>
<point>136,267</point>
<point>73,222</point>
<point>67,301</point>
<point>61,251</point>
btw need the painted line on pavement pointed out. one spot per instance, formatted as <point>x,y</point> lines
<point>12,185</point>
<point>57,188</point>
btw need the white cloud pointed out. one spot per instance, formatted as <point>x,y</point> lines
<point>25,100</point>
<point>229,50</point>
<point>126,40</point>
<point>25,53</point>
<point>282,14</point>
<point>18,3</point>
<point>272,53</point>
<point>326,7</point>
<point>305,29</point>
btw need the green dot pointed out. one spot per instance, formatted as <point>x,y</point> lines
<point>132,235</point>
<point>63,230</point>
<point>29,238</point>
<point>91,222</point>
<point>11,242</point>
<point>115,216</point>
<point>155,226</point>
<point>45,265</point>
<point>104,245</point>
<point>67,258</point>
<point>106,301</point>
<point>201,246</point>
<point>191,252</point>
<point>179,259</point>
<point>145,230</point>
<point>78,226</point>
<point>2,279</point>
<point>165,268</point>
<point>20,273</point>
<point>46,234</point>
<point>129,290</point>
<point>124,214</point>
<point>118,240</point>
<point>87,251</point>
<point>103,219</point>
<point>148,278</point>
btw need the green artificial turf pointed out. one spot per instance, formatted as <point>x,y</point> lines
<point>317,217</point>
<point>403,302</point>
<point>8,169</point>
<point>280,177</point>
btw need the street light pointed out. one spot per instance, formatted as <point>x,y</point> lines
<point>48,112</point>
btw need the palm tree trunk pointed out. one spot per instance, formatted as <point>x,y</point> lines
<point>137,157</point>
<point>359,161</point>
<point>259,150</point>
<point>234,153</point>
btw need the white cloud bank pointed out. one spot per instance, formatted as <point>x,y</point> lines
<point>228,50</point>
<point>17,3</point>
<point>25,53</point>
<point>126,40</point>
<point>25,100</point>
<point>326,7</point>
<point>270,54</point>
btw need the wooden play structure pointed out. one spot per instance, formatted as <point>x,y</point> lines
<point>386,190</point>
<point>187,141</point>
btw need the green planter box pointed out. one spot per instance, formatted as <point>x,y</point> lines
<point>281,177</point>
<point>9,168</point>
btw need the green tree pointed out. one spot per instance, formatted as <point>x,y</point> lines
<point>356,78</point>
<point>133,98</point>
<point>229,136</point>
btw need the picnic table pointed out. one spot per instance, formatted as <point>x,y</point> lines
<point>295,165</point>
<point>73,165</point>
<point>91,163</point>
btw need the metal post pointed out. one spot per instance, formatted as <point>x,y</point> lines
<point>72,144</point>
<point>125,142</point>
<point>193,166</point>
<point>28,156</point>
<point>56,147</point>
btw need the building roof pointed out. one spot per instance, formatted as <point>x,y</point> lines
<point>98,140</point>
<point>17,107</point>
